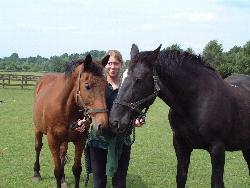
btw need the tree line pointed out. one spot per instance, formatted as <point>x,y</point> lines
<point>236,60</point>
<point>42,64</point>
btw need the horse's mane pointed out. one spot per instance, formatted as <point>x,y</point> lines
<point>174,57</point>
<point>95,68</point>
<point>181,57</point>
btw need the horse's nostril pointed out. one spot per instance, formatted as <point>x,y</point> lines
<point>123,130</point>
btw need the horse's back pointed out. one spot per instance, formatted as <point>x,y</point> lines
<point>240,88</point>
<point>45,81</point>
<point>44,97</point>
<point>240,80</point>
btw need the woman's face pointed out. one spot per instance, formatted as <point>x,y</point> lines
<point>113,66</point>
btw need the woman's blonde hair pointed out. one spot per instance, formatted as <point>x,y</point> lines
<point>116,54</point>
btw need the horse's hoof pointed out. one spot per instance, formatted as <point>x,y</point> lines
<point>36,178</point>
<point>64,185</point>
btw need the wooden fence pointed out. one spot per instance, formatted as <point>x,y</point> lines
<point>18,80</point>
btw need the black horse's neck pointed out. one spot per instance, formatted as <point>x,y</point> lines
<point>182,78</point>
<point>166,95</point>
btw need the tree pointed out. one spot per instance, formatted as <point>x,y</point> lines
<point>213,53</point>
<point>14,57</point>
<point>190,50</point>
<point>57,65</point>
<point>235,49</point>
<point>174,47</point>
<point>246,49</point>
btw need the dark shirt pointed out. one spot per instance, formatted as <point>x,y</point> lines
<point>111,95</point>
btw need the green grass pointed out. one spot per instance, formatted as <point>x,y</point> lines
<point>152,164</point>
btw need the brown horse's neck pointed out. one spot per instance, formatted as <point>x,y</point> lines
<point>67,95</point>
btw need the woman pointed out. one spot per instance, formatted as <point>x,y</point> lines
<point>109,155</point>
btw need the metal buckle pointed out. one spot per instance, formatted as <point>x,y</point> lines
<point>131,105</point>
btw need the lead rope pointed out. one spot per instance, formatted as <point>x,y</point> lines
<point>133,135</point>
<point>87,162</point>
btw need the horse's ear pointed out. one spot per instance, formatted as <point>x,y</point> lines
<point>157,50</point>
<point>105,60</point>
<point>87,62</point>
<point>153,57</point>
<point>134,51</point>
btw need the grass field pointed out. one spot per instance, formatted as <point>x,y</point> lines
<point>152,165</point>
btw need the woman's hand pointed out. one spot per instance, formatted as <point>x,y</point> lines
<point>139,122</point>
<point>81,123</point>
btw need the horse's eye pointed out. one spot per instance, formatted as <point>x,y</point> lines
<point>87,87</point>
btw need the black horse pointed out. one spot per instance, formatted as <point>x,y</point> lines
<point>206,112</point>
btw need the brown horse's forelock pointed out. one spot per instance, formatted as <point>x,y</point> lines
<point>95,68</point>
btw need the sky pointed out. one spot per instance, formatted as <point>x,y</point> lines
<point>54,27</point>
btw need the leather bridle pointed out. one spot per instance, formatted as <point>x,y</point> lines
<point>80,102</point>
<point>134,105</point>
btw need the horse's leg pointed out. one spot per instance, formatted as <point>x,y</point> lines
<point>38,148</point>
<point>217,153</point>
<point>63,153</point>
<point>54,146</point>
<point>183,158</point>
<point>77,167</point>
<point>246,155</point>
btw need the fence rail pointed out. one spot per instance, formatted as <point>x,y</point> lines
<point>18,80</point>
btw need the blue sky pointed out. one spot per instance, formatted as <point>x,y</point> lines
<point>53,27</point>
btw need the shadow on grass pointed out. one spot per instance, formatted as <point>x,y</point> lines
<point>135,181</point>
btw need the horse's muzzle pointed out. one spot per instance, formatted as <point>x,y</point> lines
<point>105,131</point>
<point>116,127</point>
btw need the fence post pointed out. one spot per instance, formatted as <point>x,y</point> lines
<point>22,82</point>
<point>9,79</point>
<point>26,82</point>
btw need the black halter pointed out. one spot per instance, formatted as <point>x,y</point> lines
<point>134,106</point>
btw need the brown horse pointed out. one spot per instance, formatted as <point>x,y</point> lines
<point>60,100</point>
